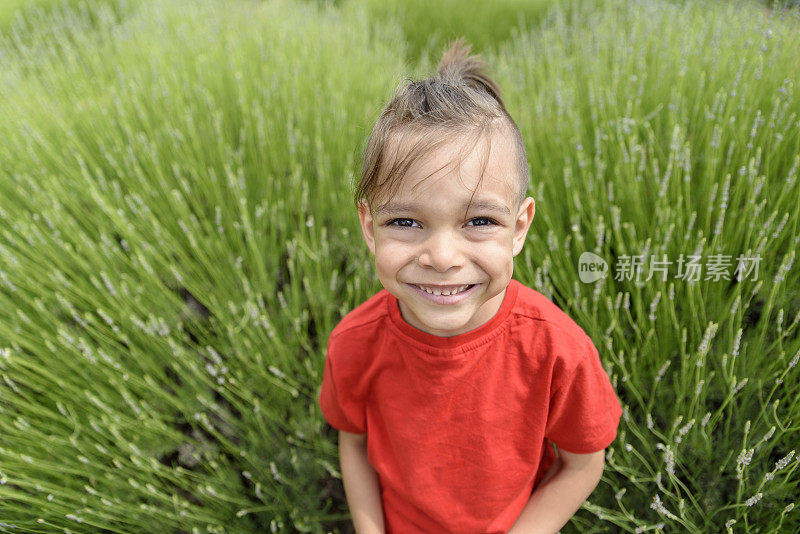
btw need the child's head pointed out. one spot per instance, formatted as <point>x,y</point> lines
<point>442,196</point>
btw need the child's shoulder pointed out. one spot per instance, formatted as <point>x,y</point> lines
<point>550,321</point>
<point>366,317</point>
<point>538,307</point>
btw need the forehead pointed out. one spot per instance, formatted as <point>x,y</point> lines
<point>459,171</point>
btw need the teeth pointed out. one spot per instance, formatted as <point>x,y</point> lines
<point>446,293</point>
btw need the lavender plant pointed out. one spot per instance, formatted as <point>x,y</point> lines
<point>658,133</point>
<point>175,247</point>
<point>170,260</point>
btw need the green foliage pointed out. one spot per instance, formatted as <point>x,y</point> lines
<point>175,173</point>
<point>24,17</point>
<point>669,130</point>
<point>177,241</point>
<point>428,26</point>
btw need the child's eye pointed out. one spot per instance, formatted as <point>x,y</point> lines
<point>402,220</point>
<point>408,223</point>
<point>489,221</point>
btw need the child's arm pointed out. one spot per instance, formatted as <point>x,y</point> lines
<point>361,485</point>
<point>560,494</point>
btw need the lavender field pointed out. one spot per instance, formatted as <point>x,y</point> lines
<point>178,240</point>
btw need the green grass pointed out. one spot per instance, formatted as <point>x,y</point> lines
<point>177,242</point>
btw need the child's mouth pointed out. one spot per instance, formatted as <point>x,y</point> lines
<point>445,299</point>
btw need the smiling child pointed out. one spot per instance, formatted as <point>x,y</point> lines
<point>465,401</point>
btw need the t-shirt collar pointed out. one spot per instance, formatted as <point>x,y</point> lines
<point>452,342</point>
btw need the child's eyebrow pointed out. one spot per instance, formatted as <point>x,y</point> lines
<point>482,205</point>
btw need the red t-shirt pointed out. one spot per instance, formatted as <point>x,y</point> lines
<point>458,427</point>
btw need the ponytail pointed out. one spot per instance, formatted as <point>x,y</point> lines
<point>458,66</point>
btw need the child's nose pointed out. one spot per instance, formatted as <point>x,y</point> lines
<point>441,250</point>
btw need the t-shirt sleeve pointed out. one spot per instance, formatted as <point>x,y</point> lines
<point>336,400</point>
<point>584,409</point>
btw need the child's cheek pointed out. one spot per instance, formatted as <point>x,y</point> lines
<point>394,252</point>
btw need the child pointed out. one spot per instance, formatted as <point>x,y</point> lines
<point>449,385</point>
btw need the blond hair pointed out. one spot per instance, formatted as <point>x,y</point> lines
<point>460,102</point>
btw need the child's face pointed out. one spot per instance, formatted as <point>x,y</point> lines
<point>426,240</point>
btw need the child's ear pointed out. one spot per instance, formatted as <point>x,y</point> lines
<point>524,220</point>
<point>366,225</point>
